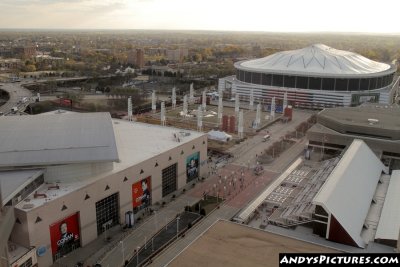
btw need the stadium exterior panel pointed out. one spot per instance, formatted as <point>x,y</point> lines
<point>316,76</point>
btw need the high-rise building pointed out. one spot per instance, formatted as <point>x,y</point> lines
<point>139,58</point>
<point>136,57</point>
<point>177,54</point>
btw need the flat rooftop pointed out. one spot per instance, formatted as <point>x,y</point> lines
<point>136,142</point>
<point>367,118</point>
<point>231,244</point>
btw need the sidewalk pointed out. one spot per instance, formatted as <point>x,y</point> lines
<point>109,253</point>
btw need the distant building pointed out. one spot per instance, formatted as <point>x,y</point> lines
<point>49,62</point>
<point>177,54</point>
<point>10,64</point>
<point>5,51</point>
<point>373,123</point>
<point>155,51</point>
<point>24,51</point>
<point>139,58</point>
<point>136,57</point>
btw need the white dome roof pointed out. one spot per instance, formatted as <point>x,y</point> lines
<point>318,60</point>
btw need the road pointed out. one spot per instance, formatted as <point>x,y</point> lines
<point>16,93</point>
<point>246,151</point>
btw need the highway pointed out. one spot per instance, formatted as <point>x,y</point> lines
<point>16,93</point>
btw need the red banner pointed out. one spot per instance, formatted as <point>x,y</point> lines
<point>141,193</point>
<point>65,235</point>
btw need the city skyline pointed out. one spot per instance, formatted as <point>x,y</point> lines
<point>253,15</point>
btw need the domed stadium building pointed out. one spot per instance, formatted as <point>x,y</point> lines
<point>317,76</point>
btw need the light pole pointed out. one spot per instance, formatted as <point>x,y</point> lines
<point>123,252</point>
<point>137,256</point>
<point>155,220</point>
<point>177,227</point>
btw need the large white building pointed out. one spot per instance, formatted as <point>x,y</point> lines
<point>83,173</point>
<point>316,76</point>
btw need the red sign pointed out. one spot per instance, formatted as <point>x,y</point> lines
<point>65,102</point>
<point>65,235</point>
<point>141,193</point>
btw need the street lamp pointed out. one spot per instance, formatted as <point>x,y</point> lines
<point>123,252</point>
<point>137,256</point>
<point>155,220</point>
<point>177,227</point>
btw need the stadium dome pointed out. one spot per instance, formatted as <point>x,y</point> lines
<point>316,67</point>
<point>319,60</point>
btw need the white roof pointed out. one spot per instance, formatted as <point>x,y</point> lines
<point>56,139</point>
<point>218,135</point>
<point>11,182</point>
<point>348,191</point>
<point>136,142</point>
<point>389,223</point>
<point>318,60</point>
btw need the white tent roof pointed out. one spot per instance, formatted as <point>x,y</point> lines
<point>218,135</point>
<point>318,60</point>
<point>389,223</point>
<point>348,191</point>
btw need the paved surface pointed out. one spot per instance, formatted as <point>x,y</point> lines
<point>16,93</point>
<point>232,205</point>
<point>108,253</point>
<point>223,212</point>
<point>245,153</point>
<point>237,245</point>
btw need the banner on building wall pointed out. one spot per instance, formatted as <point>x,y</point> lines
<point>192,166</point>
<point>65,235</point>
<point>141,193</point>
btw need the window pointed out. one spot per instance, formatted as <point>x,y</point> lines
<point>107,213</point>
<point>169,176</point>
<point>277,80</point>
<point>315,83</point>
<point>302,82</point>
<point>289,81</point>
<point>266,79</point>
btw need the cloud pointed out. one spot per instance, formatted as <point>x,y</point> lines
<point>57,13</point>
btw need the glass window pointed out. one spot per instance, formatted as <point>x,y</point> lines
<point>289,81</point>
<point>315,83</point>
<point>353,84</point>
<point>364,84</point>
<point>277,80</point>
<point>256,78</point>
<point>169,176</point>
<point>247,77</point>
<point>266,79</point>
<point>302,82</point>
<point>107,213</point>
<point>341,85</point>
<point>328,84</point>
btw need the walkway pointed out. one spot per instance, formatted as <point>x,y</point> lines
<point>108,253</point>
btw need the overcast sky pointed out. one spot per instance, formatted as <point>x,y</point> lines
<point>378,16</point>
